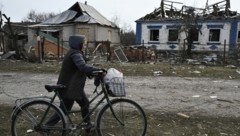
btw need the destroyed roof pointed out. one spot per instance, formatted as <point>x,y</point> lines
<point>82,13</point>
<point>166,11</point>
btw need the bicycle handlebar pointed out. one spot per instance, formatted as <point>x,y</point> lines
<point>99,72</point>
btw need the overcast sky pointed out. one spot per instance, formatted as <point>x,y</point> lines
<point>126,10</point>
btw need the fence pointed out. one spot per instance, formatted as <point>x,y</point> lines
<point>150,53</point>
<point>175,52</point>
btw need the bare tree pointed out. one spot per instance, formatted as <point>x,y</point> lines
<point>127,36</point>
<point>33,16</point>
<point>189,19</point>
<point>116,20</point>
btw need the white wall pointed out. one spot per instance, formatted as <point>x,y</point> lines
<point>103,34</point>
<point>93,32</point>
<point>202,45</point>
<point>238,41</point>
<point>67,31</point>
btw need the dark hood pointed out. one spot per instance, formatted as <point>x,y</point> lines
<point>76,42</point>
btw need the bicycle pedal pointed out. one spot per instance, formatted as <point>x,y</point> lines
<point>87,126</point>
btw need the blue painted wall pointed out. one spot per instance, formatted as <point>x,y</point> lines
<point>138,33</point>
<point>211,24</point>
<point>233,33</point>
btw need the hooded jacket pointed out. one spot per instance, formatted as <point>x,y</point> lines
<point>74,70</point>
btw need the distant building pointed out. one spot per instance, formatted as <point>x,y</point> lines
<point>18,30</point>
<point>163,30</point>
<point>79,19</point>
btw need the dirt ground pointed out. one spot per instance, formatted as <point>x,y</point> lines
<point>201,96</point>
<point>182,97</point>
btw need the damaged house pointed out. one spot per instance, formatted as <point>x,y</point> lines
<point>167,28</point>
<point>79,19</point>
<point>14,39</point>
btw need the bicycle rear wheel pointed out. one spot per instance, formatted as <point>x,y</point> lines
<point>129,113</point>
<point>26,120</point>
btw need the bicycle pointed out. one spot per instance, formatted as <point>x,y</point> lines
<point>117,117</point>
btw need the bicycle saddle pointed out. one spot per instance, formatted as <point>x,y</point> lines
<point>57,87</point>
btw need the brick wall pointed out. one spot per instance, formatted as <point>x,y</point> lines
<point>51,48</point>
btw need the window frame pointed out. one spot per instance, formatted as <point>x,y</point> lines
<point>170,39</point>
<point>213,37</point>
<point>238,37</point>
<point>153,38</point>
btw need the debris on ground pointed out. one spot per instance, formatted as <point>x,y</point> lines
<point>8,55</point>
<point>183,115</point>
<point>191,61</point>
<point>223,100</point>
<point>157,73</point>
<point>210,58</point>
<point>238,71</point>
<point>231,66</point>
<point>195,72</point>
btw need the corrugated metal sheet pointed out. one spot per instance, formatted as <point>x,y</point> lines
<point>80,12</point>
<point>83,18</point>
<point>94,14</point>
<point>61,18</point>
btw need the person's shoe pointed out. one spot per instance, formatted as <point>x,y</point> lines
<point>87,126</point>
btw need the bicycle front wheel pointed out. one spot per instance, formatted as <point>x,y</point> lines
<point>32,119</point>
<point>127,119</point>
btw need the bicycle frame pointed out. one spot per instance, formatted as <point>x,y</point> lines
<point>19,103</point>
<point>105,96</point>
<point>51,100</point>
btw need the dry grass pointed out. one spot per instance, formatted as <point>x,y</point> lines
<point>130,69</point>
<point>5,120</point>
<point>165,124</point>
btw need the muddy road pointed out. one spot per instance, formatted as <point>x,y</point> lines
<point>190,96</point>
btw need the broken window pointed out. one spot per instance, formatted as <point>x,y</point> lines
<point>173,35</point>
<point>154,35</point>
<point>83,31</point>
<point>238,40</point>
<point>214,35</point>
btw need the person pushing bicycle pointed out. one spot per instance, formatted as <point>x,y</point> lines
<point>73,75</point>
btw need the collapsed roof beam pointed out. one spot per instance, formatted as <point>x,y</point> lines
<point>173,2</point>
<point>216,3</point>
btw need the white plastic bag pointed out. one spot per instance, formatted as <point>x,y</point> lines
<point>114,83</point>
<point>112,73</point>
